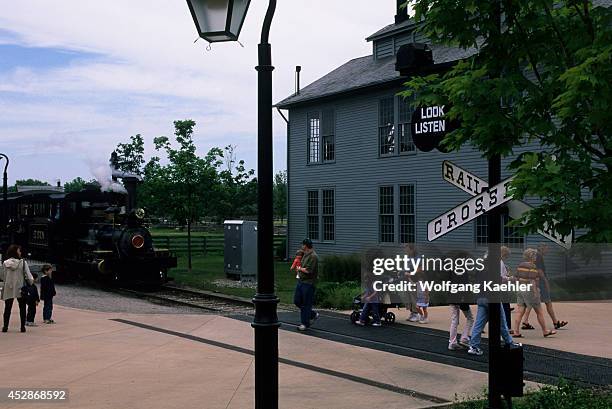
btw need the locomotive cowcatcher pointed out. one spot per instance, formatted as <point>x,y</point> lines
<point>87,234</point>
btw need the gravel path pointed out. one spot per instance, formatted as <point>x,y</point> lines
<point>89,298</point>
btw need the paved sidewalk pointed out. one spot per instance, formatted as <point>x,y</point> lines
<point>589,330</point>
<point>204,361</point>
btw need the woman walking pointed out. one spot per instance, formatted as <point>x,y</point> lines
<point>527,273</point>
<point>16,273</point>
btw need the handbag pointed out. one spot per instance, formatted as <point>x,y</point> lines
<point>26,289</point>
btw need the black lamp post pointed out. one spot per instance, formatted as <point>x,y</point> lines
<point>221,20</point>
<point>4,192</point>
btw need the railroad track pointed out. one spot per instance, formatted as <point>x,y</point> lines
<point>542,365</point>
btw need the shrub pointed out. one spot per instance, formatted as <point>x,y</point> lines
<point>337,295</point>
<point>564,395</point>
<point>281,250</point>
<point>341,268</point>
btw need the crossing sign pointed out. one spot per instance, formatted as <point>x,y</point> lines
<point>469,210</point>
<point>473,208</point>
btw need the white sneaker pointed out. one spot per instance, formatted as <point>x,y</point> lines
<point>454,347</point>
<point>302,327</point>
<point>316,317</point>
<point>414,317</point>
<point>475,351</point>
<point>424,321</point>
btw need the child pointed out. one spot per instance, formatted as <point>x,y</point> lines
<point>32,303</point>
<point>47,292</point>
<point>370,300</point>
<point>422,299</point>
<point>297,262</point>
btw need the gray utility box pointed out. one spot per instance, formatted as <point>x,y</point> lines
<point>240,253</point>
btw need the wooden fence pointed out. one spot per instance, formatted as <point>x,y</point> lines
<point>201,245</point>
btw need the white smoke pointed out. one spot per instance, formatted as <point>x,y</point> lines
<point>104,175</point>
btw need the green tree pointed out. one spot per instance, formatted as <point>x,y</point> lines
<point>130,156</point>
<point>280,195</point>
<point>542,80</point>
<point>236,191</point>
<point>27,182</point>
<point>77,184</point>
<point>183,187</point>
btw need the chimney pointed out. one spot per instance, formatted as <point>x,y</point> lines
<point>402,12</point>
<point>298,69</point>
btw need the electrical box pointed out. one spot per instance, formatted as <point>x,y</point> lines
<point>240,255</point>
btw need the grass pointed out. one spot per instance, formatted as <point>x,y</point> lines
<point>564,395</point>
<point>207,269</point>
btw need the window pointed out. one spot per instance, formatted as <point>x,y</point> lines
<point>313,214</point>
<point>314,138</point>
<point>482,234</point>
<point>386,211</point>
<point>511,236</point>
<point>328,131</point>
<point>406,214</point>
<point>328,215</point>
<point>322,136</point>
<point>404,130</point>
<point>386,130</point>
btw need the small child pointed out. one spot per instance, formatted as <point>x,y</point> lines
<point>370,303</point>
<point>297,262</point>
<point>47,292</point>
<point>32,303</point>
<point>422,299</point>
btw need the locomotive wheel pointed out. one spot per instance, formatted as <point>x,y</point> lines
<point>354,317</point>
<point>390,317</point>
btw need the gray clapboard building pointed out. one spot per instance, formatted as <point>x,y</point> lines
<point>355,178</point>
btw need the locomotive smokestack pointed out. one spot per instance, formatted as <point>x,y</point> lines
<point>131,185</point>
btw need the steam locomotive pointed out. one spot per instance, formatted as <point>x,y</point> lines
<point>88,234</point>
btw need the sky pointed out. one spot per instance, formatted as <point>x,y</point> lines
<point>78,77</point>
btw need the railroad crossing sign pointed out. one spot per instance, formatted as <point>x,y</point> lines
<point>483,200</point>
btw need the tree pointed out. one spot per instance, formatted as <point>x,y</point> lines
<point>236,193</point>
<point>130,156</point>
<point>77,184</point>
<point>542,77</point>
<point>280,194</point>
<point>27,182</point>
<point>183,187</point>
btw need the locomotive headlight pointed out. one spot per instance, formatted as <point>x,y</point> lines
<point>138,241</point>
<point>140,213</point>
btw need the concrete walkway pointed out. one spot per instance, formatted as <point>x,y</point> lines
<point>204,361</point>
<point>589,330</point>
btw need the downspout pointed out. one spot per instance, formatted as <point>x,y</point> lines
<point>288,185</point>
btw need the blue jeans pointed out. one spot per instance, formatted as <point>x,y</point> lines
<point>303,298</point>
<point>47,309</point>
<point>482,317</point>
<point>367,307</point>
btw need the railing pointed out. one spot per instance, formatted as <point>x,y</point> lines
<point>200,245</point>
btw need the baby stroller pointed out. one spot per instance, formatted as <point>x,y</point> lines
<point>383,306</point>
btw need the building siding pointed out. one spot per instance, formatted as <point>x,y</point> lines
<point>358,171</point>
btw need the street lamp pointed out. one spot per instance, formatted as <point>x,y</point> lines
<point>218,20</point>
<point>221,20</point>
<point>4,214</point>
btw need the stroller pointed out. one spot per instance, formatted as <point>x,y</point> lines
<point>383,308</point>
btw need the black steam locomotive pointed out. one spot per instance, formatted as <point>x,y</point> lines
<point>88,234</point>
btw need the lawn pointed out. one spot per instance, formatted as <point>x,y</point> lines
<point>207,269</point>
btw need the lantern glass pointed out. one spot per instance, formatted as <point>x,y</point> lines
<point>218,20</point>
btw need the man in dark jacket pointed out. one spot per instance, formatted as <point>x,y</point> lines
<point>47,292</point>
<point>303,297</point>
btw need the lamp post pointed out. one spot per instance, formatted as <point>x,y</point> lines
<point>4,192</point>
<point>222,20</point>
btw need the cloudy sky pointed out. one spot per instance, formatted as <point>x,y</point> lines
<point>77,77</point>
